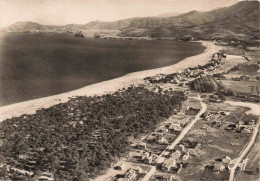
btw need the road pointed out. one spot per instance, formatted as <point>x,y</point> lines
<point>254,110</point>
<point>187,128</point>
<point>244,153</point>
<point>149,174</point>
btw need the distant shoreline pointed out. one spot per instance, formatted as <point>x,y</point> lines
<point>105,87</point>
<point>63,63</point>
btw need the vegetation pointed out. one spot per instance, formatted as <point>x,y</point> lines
<point>206,84</point>
<point>242,19</point>
<point>79,139</point>
<point>79,34</point>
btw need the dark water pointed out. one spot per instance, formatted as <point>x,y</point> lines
<point>39,65</point>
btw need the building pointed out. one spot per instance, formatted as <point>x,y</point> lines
<point>247,130</point>
<point>180,147</point>
<point>226,160</point>
<point>161,177</point>
<point>163,141</point>
<point>167,125</point>
<point>244,78</point>
<point>120,166</point>
<point>139,154</point>
<point>243,164</point>
<point>151,139</point>
<point>217,167</point>
<point>147,160</point>
<point>176,155</point>
<point>140,146</point>
<point>166,154</point>
<point>251,122</point>
<point>186,156</point>
<point>129,175</point>
<point>159,163</point>
<point>23,156</point>
<point>168,165</point>
<point>175,127</point>
<point>214,98</point>
<point>46,176</point>
<point>162,130</point>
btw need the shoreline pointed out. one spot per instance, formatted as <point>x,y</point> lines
<point>105,87</point>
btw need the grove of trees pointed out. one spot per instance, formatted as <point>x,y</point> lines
<point>79,139</point>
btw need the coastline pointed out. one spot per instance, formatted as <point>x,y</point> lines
<point>105,87</point>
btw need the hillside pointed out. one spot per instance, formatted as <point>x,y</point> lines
<point>239,21</point>
<point>170,14</point>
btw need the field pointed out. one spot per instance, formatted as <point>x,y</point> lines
<point>214,143</point>
<point>252,166</point>
<point>239,86</point>
<point>250,68</point>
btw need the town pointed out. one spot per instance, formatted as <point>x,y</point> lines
<point>171,127</point>
<point>179,148</point>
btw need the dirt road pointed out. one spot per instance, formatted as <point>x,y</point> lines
<point>187,128</point>
<point>255,109</point>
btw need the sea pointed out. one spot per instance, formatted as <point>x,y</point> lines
<point>35,65</point>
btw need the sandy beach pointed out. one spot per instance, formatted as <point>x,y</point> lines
<point>110,86</point>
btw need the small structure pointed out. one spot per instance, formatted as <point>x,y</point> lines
<point>218,123</point>
<point>169,164</point>
<point>176,155</point>
<point>186,156</point>
<point>247,130</point>
<point>120,166</point>
<point>46,176</point>
<point>166,154</point>
<point>167,125</point>
<point>147,160</point>
<point>139,154</point>
<point>162,130</point>
<point>218,166</point>
<point>180,147</point>
<point>176,127</point>
<point>251,122</point>
<point>191,111</point>
<point>23,156</point>
<point>163,141</point>
<point>161,177</point>
<point>140,146</point>
<point>214,98</point>
<point>226,160</point>
<point>244,78</point>
<point>151,139</point>
<point>159,163</point>
<point>243,164</point>
<point>129,175</point>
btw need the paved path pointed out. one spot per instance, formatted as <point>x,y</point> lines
<point>244,153</point>
<point>149,174</point>
<point>187,128</point>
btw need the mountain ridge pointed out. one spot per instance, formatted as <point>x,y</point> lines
<point>239,21</point>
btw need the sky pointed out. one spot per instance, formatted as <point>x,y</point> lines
<point>61,12</point>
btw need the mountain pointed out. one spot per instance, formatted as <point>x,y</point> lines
<point>239,21</point>
<point>168,15</point>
